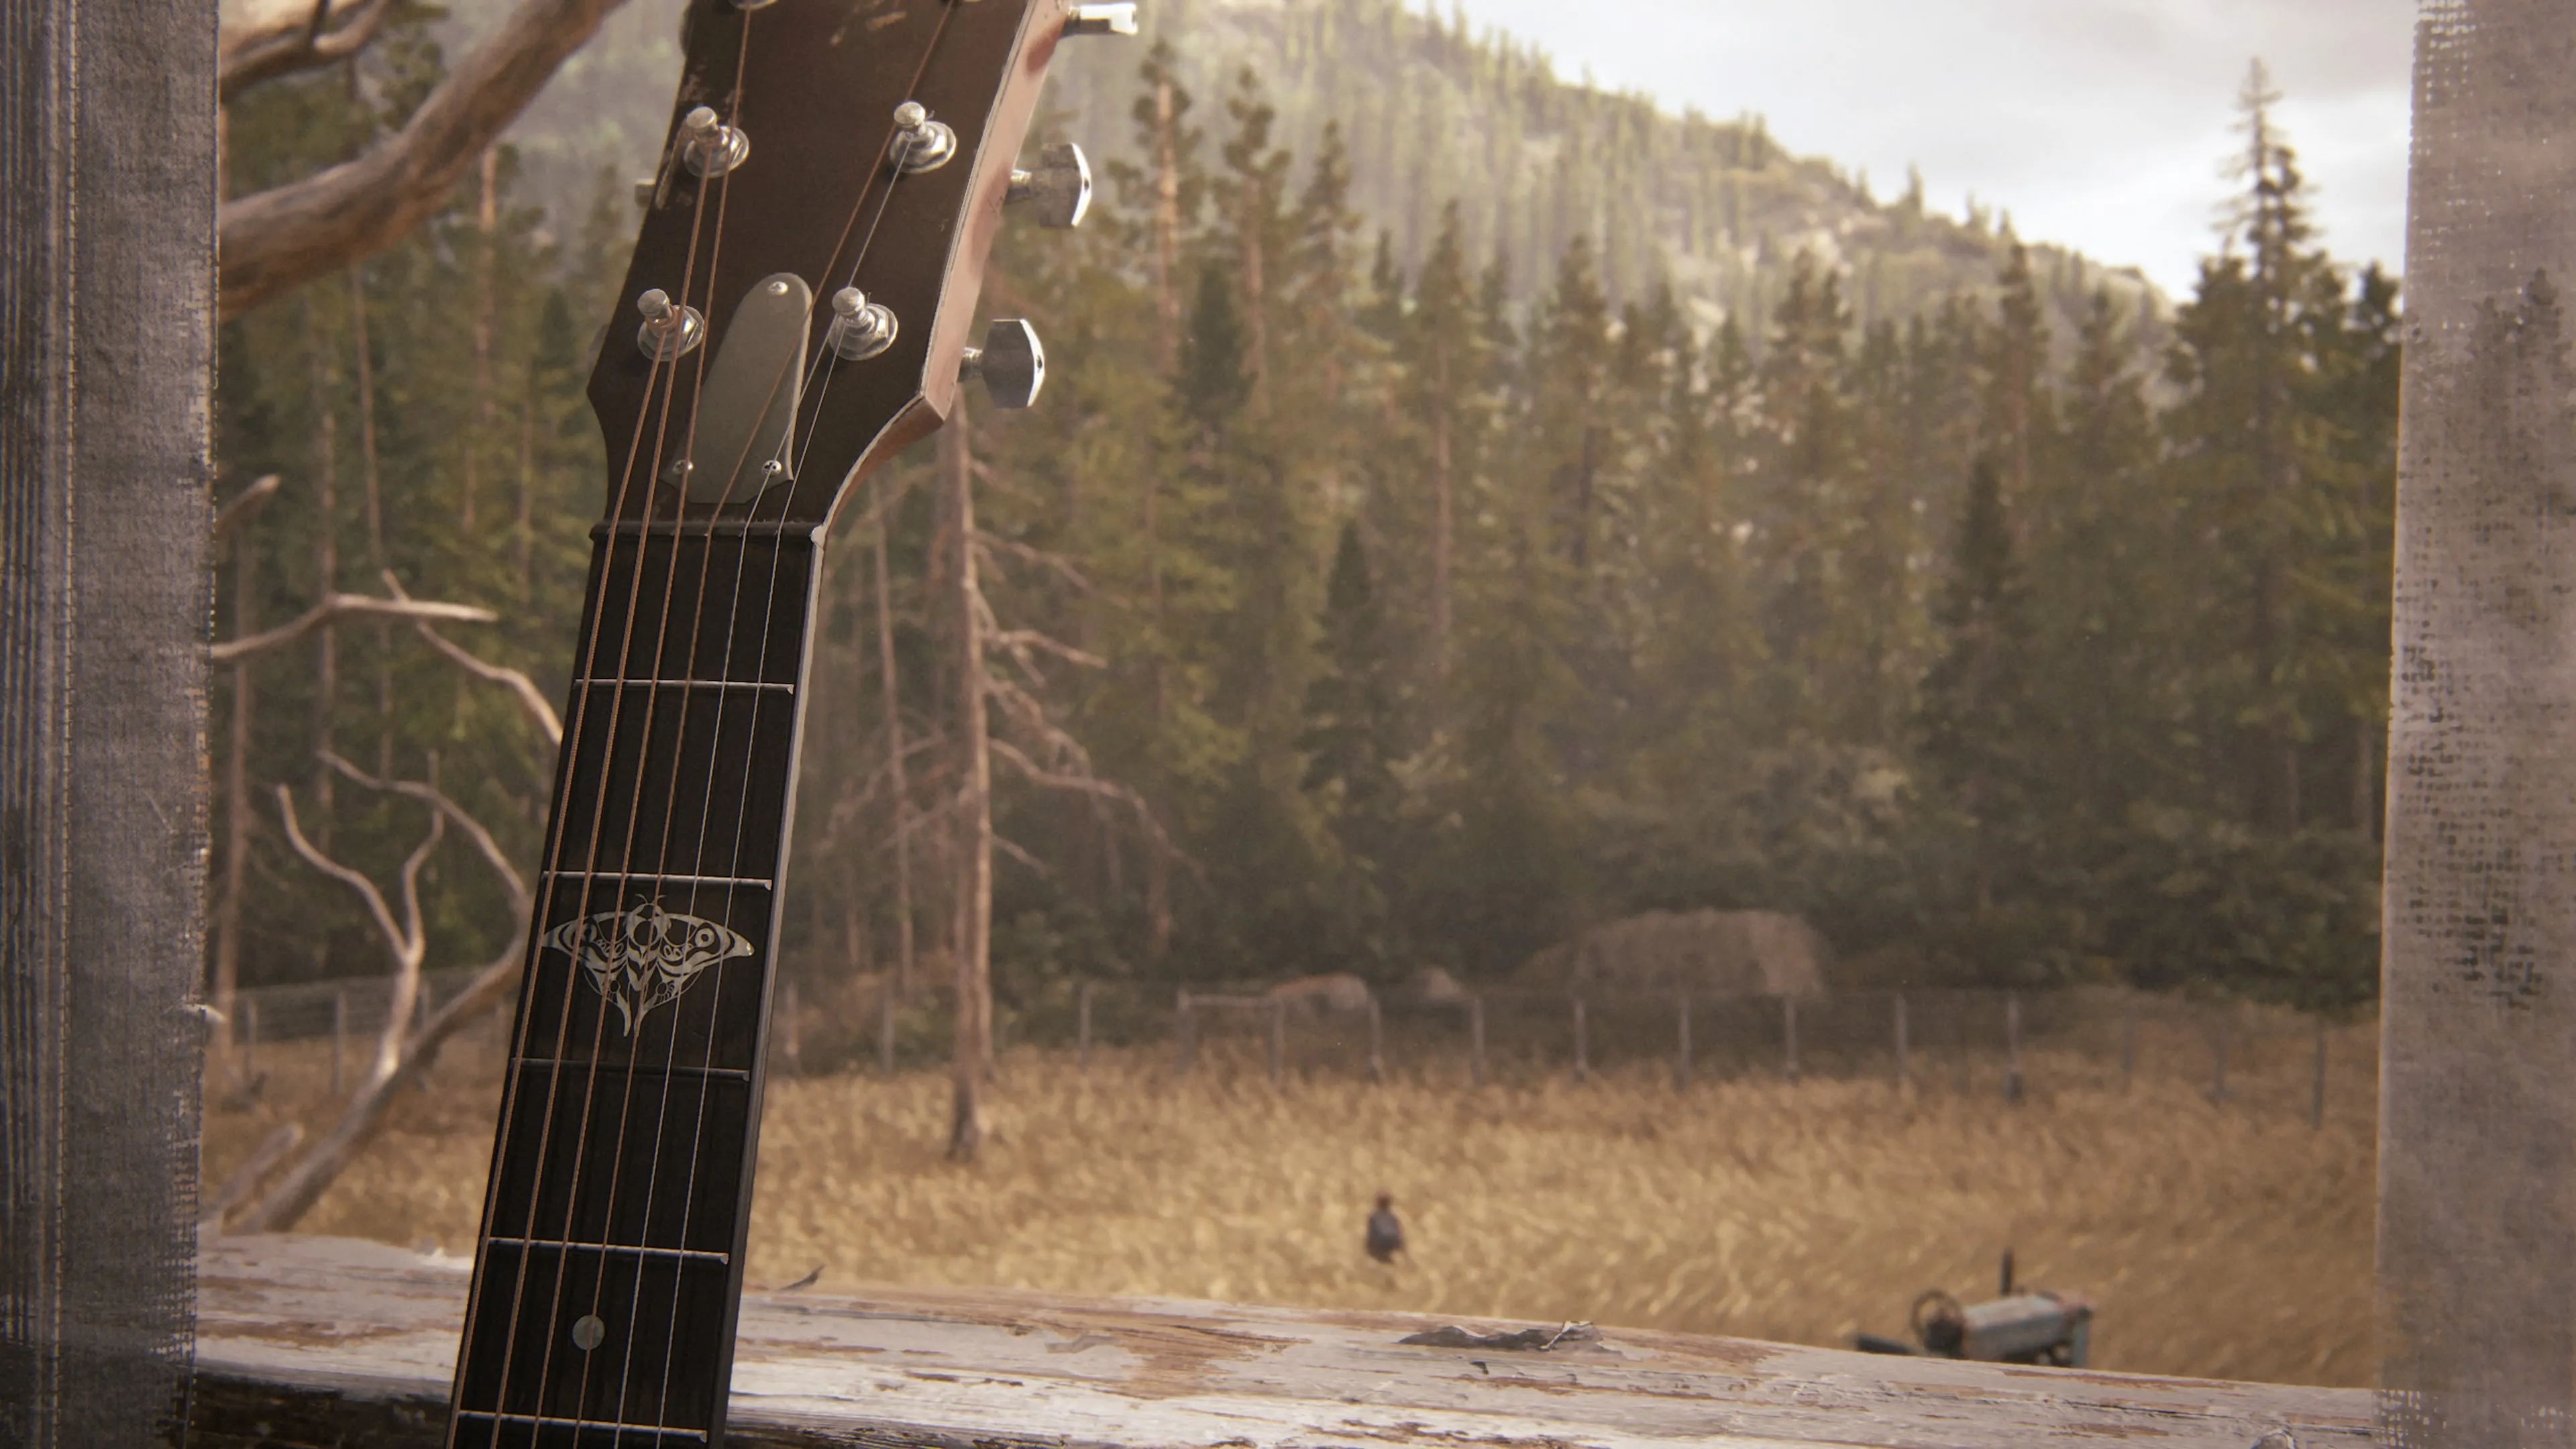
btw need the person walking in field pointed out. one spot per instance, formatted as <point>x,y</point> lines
<point>1385,1230</point>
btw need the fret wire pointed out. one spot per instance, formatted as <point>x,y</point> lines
<point>717,1074</point>
<point>737,882</point>
<point>690,1255</point>
<point>556,1421</point>
<point>782,530</point>
<point>684,685</point>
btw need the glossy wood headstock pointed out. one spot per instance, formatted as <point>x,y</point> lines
<point>782,182</point>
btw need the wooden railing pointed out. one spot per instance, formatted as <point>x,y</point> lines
<point>320,1341</point>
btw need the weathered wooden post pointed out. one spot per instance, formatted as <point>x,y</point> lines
<point>1582,1044</point>
<point>1082,1028</point>
<point>339,1037</point>
<point>250,1039</point>
<point>107,240</point>
<point>1682,1048</point>
<point>1789,1037</point>
<point>2477,1146</point>
<point>2012,1047</point>
<point>1476,1038</point>
<point>1904,1051</point>
<point>887,1000</point>
<point>1278,1042</point>
<point>1377,1043</point>
<point>2317,1093</point>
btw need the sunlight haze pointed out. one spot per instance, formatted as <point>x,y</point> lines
<point>2100,124</point>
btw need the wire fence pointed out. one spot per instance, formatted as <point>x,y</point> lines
<point>2011,1046</point>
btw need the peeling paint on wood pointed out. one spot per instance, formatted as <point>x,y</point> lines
<point>321,1341</point>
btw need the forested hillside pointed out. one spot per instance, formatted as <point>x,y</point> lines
<point>1368,594</point>
<point>1438,111</point>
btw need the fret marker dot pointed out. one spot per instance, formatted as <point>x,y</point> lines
<point>587,1331</point>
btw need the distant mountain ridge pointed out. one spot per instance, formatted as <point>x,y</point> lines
<point>1430,110</point>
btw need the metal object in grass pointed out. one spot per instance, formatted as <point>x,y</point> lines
<point>2035,1327</point>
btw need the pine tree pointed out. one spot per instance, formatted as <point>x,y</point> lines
<point>1975,713</point>
<point>1350,744</point>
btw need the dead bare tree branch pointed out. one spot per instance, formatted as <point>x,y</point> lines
<point>344,606</point>
<point>275,240</point>
<point>302,1185</point>
<point>530,698</point>
<point>278,43</point>
<point>405,940</point>
<point>456,815</point>
<point>243,504</point>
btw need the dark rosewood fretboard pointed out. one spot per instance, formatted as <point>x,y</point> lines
<point>604,1297</point>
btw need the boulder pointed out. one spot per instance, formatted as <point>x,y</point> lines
<point>1704,952</point>
<point>1432,986</point>
<point>1330,995</point>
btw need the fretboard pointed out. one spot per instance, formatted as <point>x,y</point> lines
<point>610,1264</point>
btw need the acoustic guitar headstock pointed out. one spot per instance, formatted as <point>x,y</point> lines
<point>801,300</point>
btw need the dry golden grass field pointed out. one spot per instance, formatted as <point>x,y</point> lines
<point>2229,1241</point>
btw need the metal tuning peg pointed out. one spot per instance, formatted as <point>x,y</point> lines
<point>1059,187</point>
<point>709,146</point>
<point>920,143</point>
<point>1011,363</point>
<point>668,332</point>
<point>861,329</point>
<point>1119,19</point>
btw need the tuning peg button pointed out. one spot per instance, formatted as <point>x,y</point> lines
<point>860,329</point>
<point>1117,19</point>
<point>1011,363</point>
<point>1059,186</point>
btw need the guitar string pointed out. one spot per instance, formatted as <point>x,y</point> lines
<point>765,978</point>
<point>707,818</point>
<point>721,184</point>
<point>577,721</point>
<point>590,883</point>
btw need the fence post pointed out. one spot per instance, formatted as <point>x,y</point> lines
<point>2012,1046</point>
<point>1377,1043</point>
<point>339,1037</point>
<point>1082,1029</point>
<point>1789,1035</point>
<point>2218,1078</point>
<point>1582,1044</point>
<point>2128,1047</point>
<point>1278,1041</point>
<point>1904,1055</point>
<point>885,1030</point>
<point>1476,1037</point>
<point>2317,1098</point>
<point>1184,1033</point>
<point>794,1043</point>
<point>1682,1048</point>
<point>250,1040</point>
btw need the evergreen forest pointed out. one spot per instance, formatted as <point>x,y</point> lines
<point>1372,590</point>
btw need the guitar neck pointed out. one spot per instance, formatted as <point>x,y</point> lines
<point>609,1269</point>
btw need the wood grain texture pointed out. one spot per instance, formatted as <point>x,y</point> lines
<point>322,1341</point>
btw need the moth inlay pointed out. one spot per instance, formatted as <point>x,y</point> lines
<point>645,956</point>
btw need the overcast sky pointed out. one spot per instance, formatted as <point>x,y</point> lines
<point>2101,124</point>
